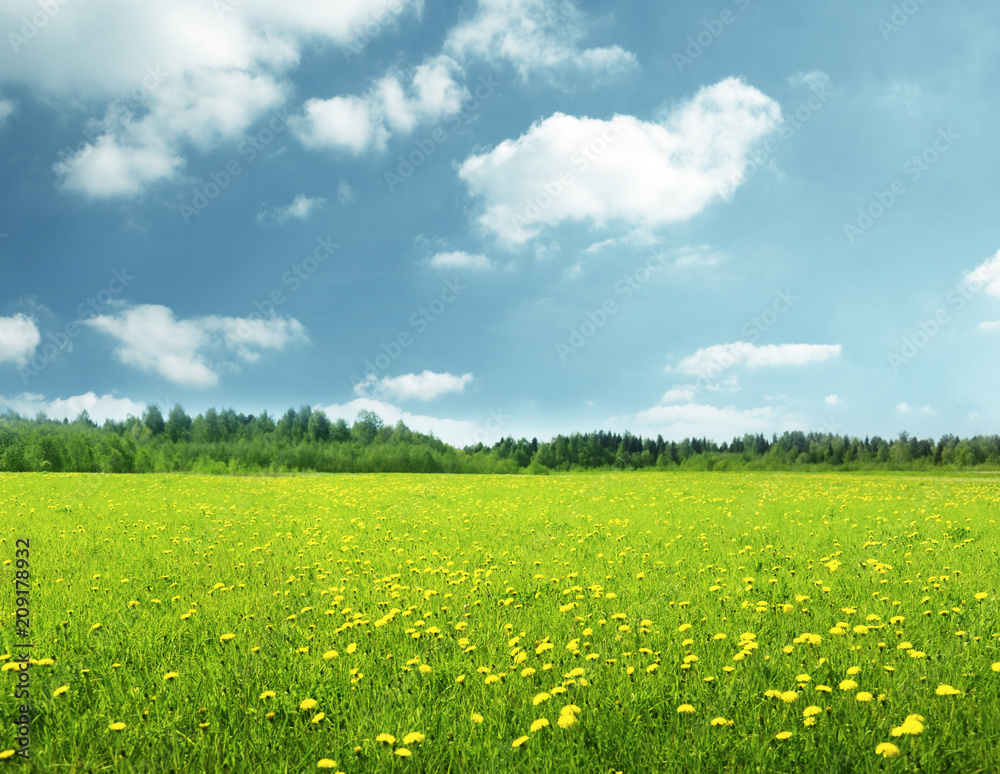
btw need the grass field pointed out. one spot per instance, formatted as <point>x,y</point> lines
<point>594,623</point>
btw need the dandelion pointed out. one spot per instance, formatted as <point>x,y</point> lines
<point>477,718</point>
<point>330,654</point>
<point>539,724</point>
<point>847,685</point>
<point>566,720</point>
<point>527,672</point>
<point>267,695</point>
<point>402,752</point>
<point>996,667</point>
<point>226,637</point>
<point>6,754</point>
<point>117,726</point>
<point>783,735</point>
<point>308,704</point>
<point>887,750</point>
<point>424,669</point>
<point>60,690</point>
<point>414,737</point>
<point>386,738</point>
<point>721,721</point>
<point>171,676</point>
<point>317,718</point>
<point>326,763</point>
<point>946,690</point>
<point>824,688</point>
<point>808,712</point>
<point>685,709</point>
<point>788,696</point>
<point>519,741</point>
<point>864,696</point>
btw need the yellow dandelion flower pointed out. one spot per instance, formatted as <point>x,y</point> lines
<point>946,690</point>
<point>477,718</point>
<point>117,726</point>
<point>685,709</point>
<point>519,741</point>
<point>824,688</point>
<point>808,712</point>
<point>6,754</point>
<point>267,695</point>
<point>864,696</point>
<point>326,763</point>
<point>460,679</point>
<point>527,672</point>
<point>887,750</point>
<point>853,671</point>
<point>424,669</point>
<point>783,735</point>
<point>307,704</point>
<point>539,724</point>
<point>60,690</point>
<point>352,648</point>
<point>847,685</point>
<point>330,654</point>
<point>414,737</point>
<point>539,698</point>
<point>386,738</point>
<point>402,752</point>
<point>720,721</point>
<point>226,637</point>
<point>317,717</point>
<point>171,676</point>
<point>788,696</point>
<point>566,720</point>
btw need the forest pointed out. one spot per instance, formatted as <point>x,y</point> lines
<point>303,440</point>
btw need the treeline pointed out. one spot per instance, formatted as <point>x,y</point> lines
<point>304,440</point>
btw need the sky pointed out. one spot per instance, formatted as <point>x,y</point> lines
<point>496,218</point>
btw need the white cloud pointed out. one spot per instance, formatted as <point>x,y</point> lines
<point>906,408</point>
<point>720,357</point>
<point>703,255</point>
<point>99,408</point>
<point>833,400</point>
<point>460,260</point>
<point>301,208</point>
<point>685,393</point>
<point>537,37</point>
<point>990,325</point>
<point>193,351</point>
<point>7,109</point>
<point>904,94</point>
<point>454,431</point>
<point>345,195</point>
<point>423,386</point>
<point>985,276</point>
<point>19,337</point>
<point>695,420</point>
<point>360,124</point>
<point>816,80</point>
<point>170,77</point>
<point>566,168</point>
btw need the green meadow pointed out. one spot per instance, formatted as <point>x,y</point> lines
<point>679,622</point>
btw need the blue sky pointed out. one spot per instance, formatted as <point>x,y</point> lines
<point>505,217</point>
